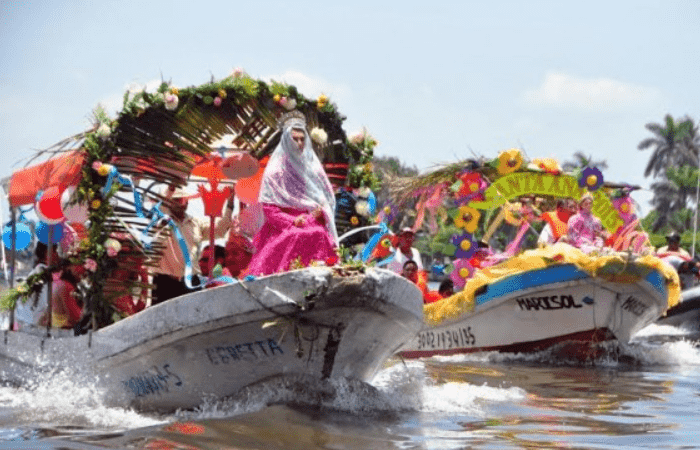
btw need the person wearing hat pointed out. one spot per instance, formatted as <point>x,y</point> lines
<point>673,247</point>
<point>168,277</point>
<point>405,251</point>
<point>584,230</point>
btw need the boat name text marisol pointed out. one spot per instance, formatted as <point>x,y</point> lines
<point>249,351</point>
<point>461,337</point>
<point>548,303</point>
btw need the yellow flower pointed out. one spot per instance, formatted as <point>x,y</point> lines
<point>549,165</point>
<point>467,218</point>
<point>22,289</point>
<point>321,101</point>
<point>354,220</point>
<point>104,170</point>
<point>95,204</point>
<point>174,90</point>
<point>276,98</point>
<point>222,93</point>
<point>509,161</point>
<point>368,167</point>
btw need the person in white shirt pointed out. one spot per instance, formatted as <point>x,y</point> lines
<point>405,251</point>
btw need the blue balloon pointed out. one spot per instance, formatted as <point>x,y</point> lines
<point>22,237</point>
<point>42,232</point>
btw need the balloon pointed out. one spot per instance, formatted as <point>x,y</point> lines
<point>76,212</point>
<point>22,238</point>
<point>247,189</point>
<point>48,208</point>
<point>42,232</point>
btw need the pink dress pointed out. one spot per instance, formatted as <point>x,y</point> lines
<point>280,242</point>
<point>584,231</point>
<point>294,183</point>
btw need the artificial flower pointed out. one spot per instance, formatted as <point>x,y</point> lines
<point>461,273</point>
<point>354,221</point>
<point>625,206</point>
<point>217,101</point>
<point>472,187</point>
<point>95,204</point>
<point>362,208</point>
<point>103,131</point>
<point>171,102</point>
<point>277,98</point>
<point>96,165</point>
<point>591,178</point>
<point>319,136</point>
<point>113,247</point>
<point>22,289</point>
<point>288,103</point>
<point>509,161</point>
<point>104,170</point>
<point>321,101</point>
<point>174,91</point>
<point>222,93</point>
<point>467,218</point>
<point>549,165</point>
<point>465,245</point>
<point>90,265</point>
<point>332,260</point>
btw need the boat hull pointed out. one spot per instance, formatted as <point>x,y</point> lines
<point>212,343</point>
<point>538,309</point>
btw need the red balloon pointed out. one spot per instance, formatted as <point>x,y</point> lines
<point>48,208</point>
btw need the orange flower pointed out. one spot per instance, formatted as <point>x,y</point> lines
<point>467,218</point>
<point>509,161</point>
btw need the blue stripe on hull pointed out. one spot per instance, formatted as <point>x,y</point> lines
<point>549,275</point>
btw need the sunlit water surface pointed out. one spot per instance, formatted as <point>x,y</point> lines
<point>641,395</point>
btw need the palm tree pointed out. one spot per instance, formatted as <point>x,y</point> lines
<point>674,143</point>
<point>674,198</point>
<point>580,161</point>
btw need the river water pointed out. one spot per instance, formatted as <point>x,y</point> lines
<point>645,394</point>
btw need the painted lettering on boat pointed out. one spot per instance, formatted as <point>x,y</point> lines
<point>547,303</point>
<point>454,338</point>
<point>154,381</point>
<point>634,306</point>
<point>249,351</point>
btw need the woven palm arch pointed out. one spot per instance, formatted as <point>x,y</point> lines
<point>157,139</point>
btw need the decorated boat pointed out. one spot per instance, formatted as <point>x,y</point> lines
<point>99,194</point>
<point>515,294</point>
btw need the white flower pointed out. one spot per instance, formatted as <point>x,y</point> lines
<point>364,192</point>
<point>319,136</point>
<point>113,247</point>
<point>103,131</point>
<point>289,103</point>
<point>362,208</point>
<point>171,101</point>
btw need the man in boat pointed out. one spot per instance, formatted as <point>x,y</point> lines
<point>219,259</point>
<point>673,247</point>
<point>239,252</point>
<point>405,251</point>
<point>169,278</point>
<point>557,222</point>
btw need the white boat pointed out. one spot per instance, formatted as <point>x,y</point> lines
<point>315,323</point>
<point>537,309</point>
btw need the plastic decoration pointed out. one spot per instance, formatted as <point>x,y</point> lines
<point>22,236</point>
<point>43,230</point>
<point>49,208</point>
<point>461,273</point>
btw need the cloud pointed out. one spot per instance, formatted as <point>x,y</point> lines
<point>312,87</point>
<point>591,94</point>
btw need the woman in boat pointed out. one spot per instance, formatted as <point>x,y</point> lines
<point>585,230</point>
<point>298,204</point>
<point>66,309</point>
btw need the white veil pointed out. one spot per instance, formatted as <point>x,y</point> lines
<point>296,179</point>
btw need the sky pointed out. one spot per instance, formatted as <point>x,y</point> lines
<point>433,82</point>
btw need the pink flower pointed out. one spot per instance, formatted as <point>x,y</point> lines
<point>171,102</point>
<point>237,72</point>
<point>90,265</point>
<point>96,165</point>
<point>461,273</point>
<point>217,101</point>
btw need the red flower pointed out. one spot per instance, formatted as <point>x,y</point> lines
<point>332,260</point>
